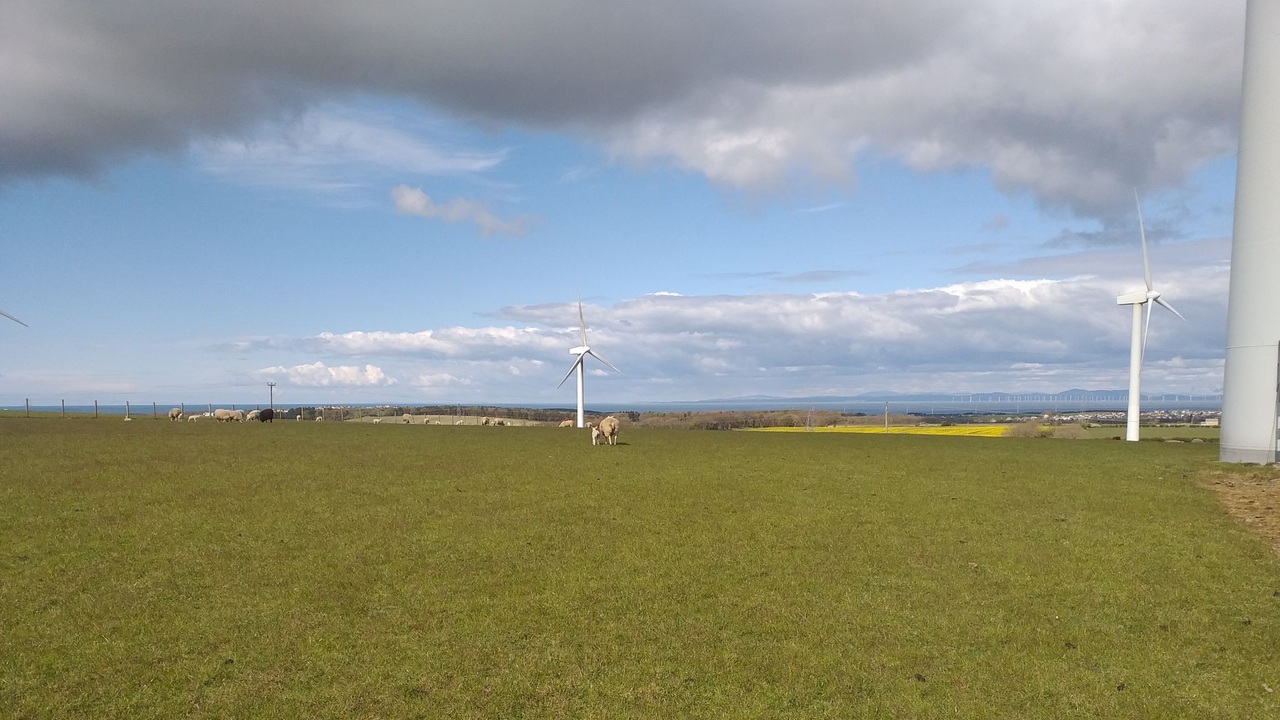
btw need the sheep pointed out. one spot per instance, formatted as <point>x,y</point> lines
<point>608,428</point>
<point>485,421</point>
<point>267,415</point>
<point>252,415</point>
<point>237,416</point>
<point>320,418</point>
<point>595,433</point>
<point>408,419</point>
<point>566,423</point>
<point>193,418</point>
<point>223,415</point>
<point>377,421</point>
<point>175,414</point>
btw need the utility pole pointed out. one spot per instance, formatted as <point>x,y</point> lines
<point>272,389</point>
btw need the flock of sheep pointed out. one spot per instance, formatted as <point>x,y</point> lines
<point>606,431</point>
<point>224,415</point>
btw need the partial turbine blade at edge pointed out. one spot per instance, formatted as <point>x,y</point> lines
<point>1142,230</point>
<point>572,367</point>
<point>582,322</point>
<point>14,319</point>
<point>606,362</point>
<point>1169,307</point>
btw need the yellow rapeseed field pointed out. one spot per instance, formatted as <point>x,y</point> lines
<point>993,430</point>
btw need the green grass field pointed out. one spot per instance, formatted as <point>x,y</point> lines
<point>160,570</point>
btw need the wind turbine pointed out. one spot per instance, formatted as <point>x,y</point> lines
<point>1138,342</point>
<point>14,319</point>
<point>582,351</point>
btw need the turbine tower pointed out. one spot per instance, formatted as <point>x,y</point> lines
<point>1138,340</point>
<point>582,351</point>
<point>1253,327</point>
<point>14,319</point>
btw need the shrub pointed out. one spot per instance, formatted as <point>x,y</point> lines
<point>1028,429</point>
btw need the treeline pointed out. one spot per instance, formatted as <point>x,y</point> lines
<point>709,420</point>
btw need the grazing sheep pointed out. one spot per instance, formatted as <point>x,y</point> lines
<point>299,416</point>
<point>175,414</point>
<point>485,421</point>
<point>252,415</point>
<point>608,428</point>
<point>437,422</point>
<point>267,415</point>
<point>193,418</point>
<point>237,416</point>
<point>223,415</point>
<point>320,419</point>
<point>458,422</point>
<point>566,423</point>
<point>408,419</point>
<point>377,421</point>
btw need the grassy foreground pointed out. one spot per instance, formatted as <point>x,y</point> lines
<point>160,570</point>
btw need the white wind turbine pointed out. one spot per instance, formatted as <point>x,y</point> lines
<point>582,351</point>
<point>14,319</point>
<point>1138,343</point>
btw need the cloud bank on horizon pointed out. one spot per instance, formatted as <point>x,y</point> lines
<point>1066,105</point>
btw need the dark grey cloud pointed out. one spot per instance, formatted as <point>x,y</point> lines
<point>1074,101</point>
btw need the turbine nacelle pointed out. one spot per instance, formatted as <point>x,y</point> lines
<point>580,350</point>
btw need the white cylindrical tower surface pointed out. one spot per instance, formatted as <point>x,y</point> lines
<point>1253,315</point>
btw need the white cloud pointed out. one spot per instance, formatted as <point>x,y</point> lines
<point>318,374</point>
<point>1073,100</point>
<point>330,149</point>
<point>412,201</point>
<point>1041,335</point>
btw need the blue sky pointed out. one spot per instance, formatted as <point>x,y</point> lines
<point>775,198</point>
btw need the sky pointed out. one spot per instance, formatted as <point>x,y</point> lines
<point>404,201</point>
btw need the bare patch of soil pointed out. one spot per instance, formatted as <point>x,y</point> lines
<point>1250,494</point>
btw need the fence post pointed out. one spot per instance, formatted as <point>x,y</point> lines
<point>153,409</point>
<point>95,409</point>
<point>28,407</point>
<point>64,408</point>
<point>126,408</point>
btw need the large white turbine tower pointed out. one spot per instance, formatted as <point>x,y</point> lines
<point>1138,340</point>
<point>582,351</point>
<point>1249,401</point>
<point>14,319</point>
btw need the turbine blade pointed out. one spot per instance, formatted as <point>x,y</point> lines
<point>572,367</point>
<point>1146,326</point>
<point>1142,230</point>
<point>582,322</point>
<point>606,362</point>
<point>1169,307</point>
<point>14,319</point>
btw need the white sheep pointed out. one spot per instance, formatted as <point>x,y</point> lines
<point>377,421</point>
<point>608,428</point>
<point>193,418</point>
<point>566,423</point>
<point>595,433</point>
<point>223,415</point>
<point>252,415</point>
<point>175,414</point>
